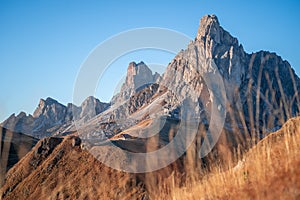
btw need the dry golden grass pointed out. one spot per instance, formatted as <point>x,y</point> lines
<point>133,129</point>
<point>269,170</point>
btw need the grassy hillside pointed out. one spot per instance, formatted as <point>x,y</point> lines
<point>57,168</point>
<point>269,170</point>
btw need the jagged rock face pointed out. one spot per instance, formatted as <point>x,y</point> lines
<point>118,118</point>
<point>258,84</point>
<point>73,112</point>
<point>49,113</point>
<point>50,117</point>
<point>213,48</point>
<point>223,48</point>
<point>269,91</point>
<point>259,88</point>
<point>51,109</point>
<point>141,98</point>
<point>139,88</point>
<point>92,107</point>
<point>20,123</point>
<point>136,101</point>
<point>138,76</point>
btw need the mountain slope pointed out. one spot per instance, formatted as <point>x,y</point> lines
<point>212,80</point>
<point>269,170</point>
<point>57,168</point>
<point>13,147</point>
<point>260,88</point>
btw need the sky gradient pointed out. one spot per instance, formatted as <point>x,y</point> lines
<point>44,43</point>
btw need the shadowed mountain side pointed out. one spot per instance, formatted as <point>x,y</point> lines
<point>57,168</point>
<point>14,146</point>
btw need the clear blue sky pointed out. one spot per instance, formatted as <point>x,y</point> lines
<point>43,43</point>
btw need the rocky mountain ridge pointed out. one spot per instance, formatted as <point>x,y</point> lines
<point>259,90</point>
<point>259,83</point>
<point>258,93</point>
<point>50,116</point>
<point>138,76</point>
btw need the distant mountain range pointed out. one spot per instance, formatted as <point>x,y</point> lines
<point>51,116</point>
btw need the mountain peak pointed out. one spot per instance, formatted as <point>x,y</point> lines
<point>138,75</point>
<point>91,107</point>
<point>209,19</point>
<point>43,104</point>
<point>48,101</point>
<point>133,67</point>
<point>215,40</point>
<point>209,26</point>
<point>90,98</point>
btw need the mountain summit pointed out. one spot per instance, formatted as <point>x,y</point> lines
<point>256,85</point>
<point>138,76</point>
<point>209,26</point>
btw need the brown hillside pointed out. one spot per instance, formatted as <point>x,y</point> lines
<point>55,169</point>
<point>13,146</point>
<point>270,170</point>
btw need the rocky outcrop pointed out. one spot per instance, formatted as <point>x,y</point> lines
<point>259,93</point>
<point>138,76</point>
<point>92,107</point>
<point>141,98</point>
<point>19,123</point>
<point>135,102</point>
<point>258,86</point>
<point>48,114</point>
